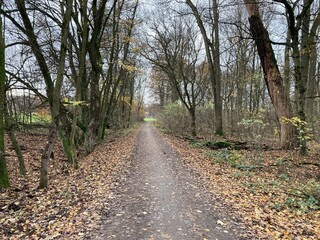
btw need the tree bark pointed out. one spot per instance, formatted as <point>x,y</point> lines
<point>273,79</point>
<point>193,122</point>
<point>79,80</point>
<point>217,70</point>
<point>286,71</point>
<point>98,9</point>
<point>312,79</point>
<point>301,60</point>
<point>43,182</point>
<point>4,179</point>
<point>15,144</point>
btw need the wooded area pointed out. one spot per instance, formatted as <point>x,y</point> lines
<point>239,73</point>
<point>73,67</point>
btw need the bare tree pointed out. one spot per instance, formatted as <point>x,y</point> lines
<point>272,75</point>
<point>212,48</point>
<point>174,50</point>
<point>53,88</point>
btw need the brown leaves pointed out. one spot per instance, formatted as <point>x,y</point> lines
<point>258,197</point>
<point>72,206</point>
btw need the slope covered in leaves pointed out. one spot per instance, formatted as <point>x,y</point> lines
<point>71,207</point>
<point>265,189</point>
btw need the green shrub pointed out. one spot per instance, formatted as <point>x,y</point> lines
<point>303,199</point>
<point>311,190</point>
<point>254,128</point>
<point>230,157</point>
<point>233,159</point>
<point>174,118</point>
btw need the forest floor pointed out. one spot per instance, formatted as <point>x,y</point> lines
<point>146,185</point>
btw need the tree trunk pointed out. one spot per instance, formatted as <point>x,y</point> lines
<point>4,179</point>
<point>213,58</point>
<point>301,42</point>
<point>217,70</point>
<point>79,82</point>
<point>286,71</point>
<point>193,121</point>
<point>53,90</point>
<point>312,79</point>
<point>15,144</point>
<point>98,9</point>
<point>43,182</point>
<point>109,91</point>
<point>312,86</point>
<point>301,60</point>
<point>272,76</point>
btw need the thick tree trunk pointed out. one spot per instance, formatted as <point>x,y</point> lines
<point>301,59</point>
<point>92,133</point>
<point>301,42</point>
<point>98,8</point>
<point>192,112</point>
<point>272,76</point>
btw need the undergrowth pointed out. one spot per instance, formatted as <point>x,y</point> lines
<point>304,198</point>
<point>301,198</point>
<point>231,158</point>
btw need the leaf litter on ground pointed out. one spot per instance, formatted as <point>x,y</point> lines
<point>259,196</point>
<point>71,207</point>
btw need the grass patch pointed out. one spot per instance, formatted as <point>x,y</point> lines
<point>35,118</point>
<point>150,119</point>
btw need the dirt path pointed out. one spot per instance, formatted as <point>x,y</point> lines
<point>158,198</point>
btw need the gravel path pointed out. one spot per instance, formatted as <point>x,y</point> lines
<point>158,198</point>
